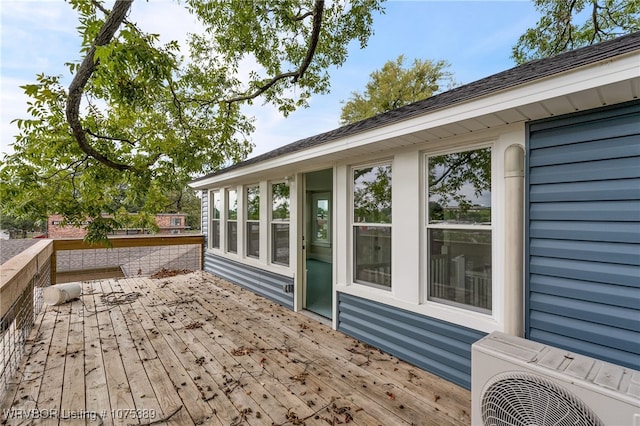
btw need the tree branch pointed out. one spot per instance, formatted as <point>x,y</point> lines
<point>465,158</point>
<point>594,18</point>
<point>109,138</point>
<point>317,13</point>
<point>85,71</point>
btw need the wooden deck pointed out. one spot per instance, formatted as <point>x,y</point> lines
<point>194,349</point>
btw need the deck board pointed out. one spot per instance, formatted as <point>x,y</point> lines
<point>219,355</point>
<point>96,393</point>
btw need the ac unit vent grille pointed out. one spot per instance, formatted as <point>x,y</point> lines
<point>523,399</point>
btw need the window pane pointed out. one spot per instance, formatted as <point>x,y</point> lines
<point>253,239</point>
<point>321,221</point>
<point>372,254</point>
<point>253,203</point>
<point>232,237</point>
<point>215,234</point>
<point>280,243</point>
<point>215,212</point>
<point>460,267</point>
<point>232,205</point>
<point>280,201</point>
<point>372,195</point>
<point>460,187</point>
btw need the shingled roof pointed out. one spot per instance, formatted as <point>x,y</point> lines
<point>521,74</point>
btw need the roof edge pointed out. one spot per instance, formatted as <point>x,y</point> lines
<point>504,80</point>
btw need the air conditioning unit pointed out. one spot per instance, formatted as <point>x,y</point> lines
<point>518,382</point>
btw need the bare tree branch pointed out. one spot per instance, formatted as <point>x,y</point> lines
<point>85,71</point>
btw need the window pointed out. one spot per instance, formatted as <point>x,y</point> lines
<point>215,219</point>
<point>372,225</point>
<point>253,221</point>
<point>280,223</point>
<point>232,221</point>
<point>176,221</point>
<point>321,222</point>
<point>459,229</point>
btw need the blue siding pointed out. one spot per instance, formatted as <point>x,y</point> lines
<point>583,233</point>
<point>436,346</point>
<point>278,288</point>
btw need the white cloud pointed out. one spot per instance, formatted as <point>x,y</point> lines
<point>13,106</point>
<point>170,20</point>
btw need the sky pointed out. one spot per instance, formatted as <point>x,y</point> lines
<point>475,37</point>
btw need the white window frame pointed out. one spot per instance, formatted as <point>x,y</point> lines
<point>247,221</point>
<point>272,222</point>
<point>450,308</point>
<point>314,207</point>
<point>227,221</point>
<point>212,195</point>
<point>353,224</point>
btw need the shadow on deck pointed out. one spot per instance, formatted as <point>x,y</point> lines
<point>194,349</point>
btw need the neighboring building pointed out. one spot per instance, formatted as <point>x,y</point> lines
<point>172,223</point>
<point>168,223</point>
<point>356,225</point>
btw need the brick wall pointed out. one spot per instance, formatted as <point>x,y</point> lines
<point>56,230</point>
<point>168,223</point>
<point>171,223</point>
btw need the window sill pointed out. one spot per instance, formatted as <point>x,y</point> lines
<point>253,262</point>
<point>462,317</point>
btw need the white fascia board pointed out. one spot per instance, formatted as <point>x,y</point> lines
<point>612,70</point>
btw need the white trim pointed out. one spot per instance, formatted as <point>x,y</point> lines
<point>314,213</point>
<point>450,314</point>
<point>426,226</point>
<point>409,247</point>
<point>264,222</point>
<point>271,223</point>
<point>228,191</point>
<point>352,168</point>
<point>250,261</point>
<point>246,220</point>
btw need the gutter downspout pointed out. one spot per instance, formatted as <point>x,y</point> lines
<point>514,241</point>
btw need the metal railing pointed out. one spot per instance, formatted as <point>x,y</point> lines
<point>143,255</point>
<point>24,277</point>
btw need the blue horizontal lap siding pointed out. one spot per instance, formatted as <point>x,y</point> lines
<point>439,347</point>
<point>583,233</point>
<point>622,253</point>
<point>580,345</point>
<point>585,191</point>
<point>612,295</point>
<point>259,281</point>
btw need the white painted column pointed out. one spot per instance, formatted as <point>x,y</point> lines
<point>265,212</point>
<point>296,231</point>
<point>241,216</point>
<point>341,230</point>
<point>406,210</point>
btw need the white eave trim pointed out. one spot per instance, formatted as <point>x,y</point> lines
<point>612,70</point>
